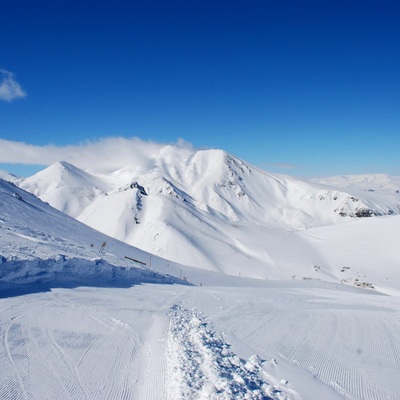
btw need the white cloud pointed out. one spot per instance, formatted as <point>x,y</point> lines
<point>10,89</point>
<point>105,155</point>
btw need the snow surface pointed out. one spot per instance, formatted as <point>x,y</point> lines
<point>40,244</point>
<point>208,209</point>
<point>320,321</point>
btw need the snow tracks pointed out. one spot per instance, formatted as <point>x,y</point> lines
<point>203,367</point>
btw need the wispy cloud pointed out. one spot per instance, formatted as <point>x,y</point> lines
<point>10,89</point>
<point>107,154</point>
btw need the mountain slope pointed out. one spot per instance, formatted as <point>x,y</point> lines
<point>41,244</point>
<point>7,176</point>
<point>206,209</point>
<point>303,337</point>
<point>378,189</point>
<point>70,188</point>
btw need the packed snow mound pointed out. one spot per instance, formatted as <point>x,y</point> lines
<point>40,244</point>
<point>65,271</point>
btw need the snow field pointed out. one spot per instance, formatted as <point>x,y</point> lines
<point>320,341</point>
<point>347,339</point>
<point>153,375</point>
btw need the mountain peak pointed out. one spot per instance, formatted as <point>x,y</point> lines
<point>181,199</point>
<point>66,165</point>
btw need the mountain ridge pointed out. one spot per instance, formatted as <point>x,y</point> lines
<point>180,200</point>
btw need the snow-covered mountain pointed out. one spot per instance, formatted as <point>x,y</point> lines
<point>379,188</point>
<point>206,208</point>
<point>78,322</point>
<point>364,182</point>
<point>7,176</point>
<point>41,244</point>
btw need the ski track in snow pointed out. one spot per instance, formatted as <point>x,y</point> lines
<point>47,362</point>
<point>202,366</point>
<point>153,375</point>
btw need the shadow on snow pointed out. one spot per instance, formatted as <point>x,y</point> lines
<point>20,277</point>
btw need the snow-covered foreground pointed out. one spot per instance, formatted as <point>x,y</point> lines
<point>300,340</point>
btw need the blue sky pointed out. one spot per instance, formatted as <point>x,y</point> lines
<point>305,88</point>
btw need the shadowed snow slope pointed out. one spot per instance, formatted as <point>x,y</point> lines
<point>39,244</point>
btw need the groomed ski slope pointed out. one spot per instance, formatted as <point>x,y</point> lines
<point>298,340</point>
